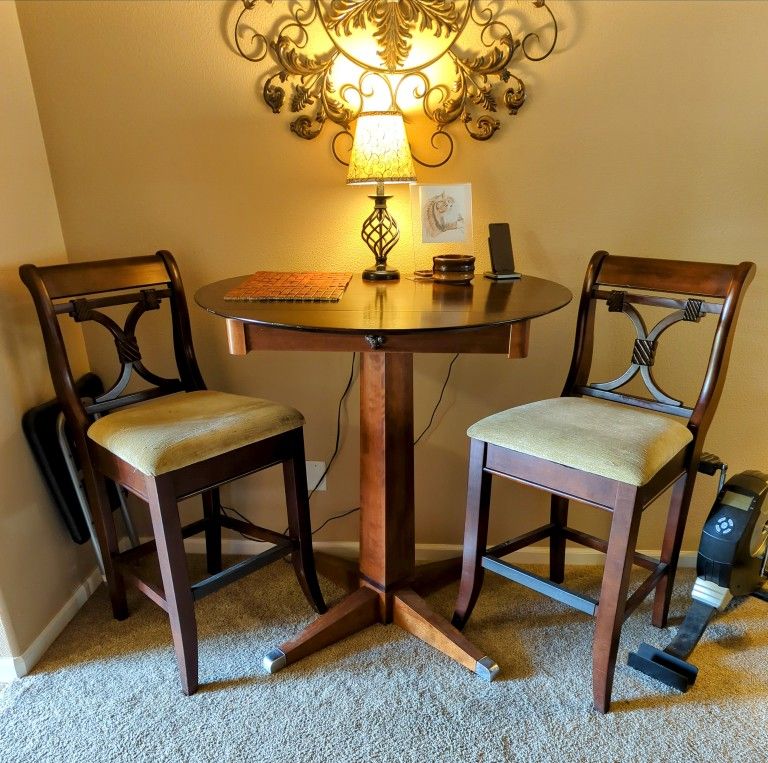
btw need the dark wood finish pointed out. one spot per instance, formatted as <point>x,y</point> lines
<point>149,547</point>
<point>558,518</point>
<point>299,524</point>
<point>613,595</point>
<point>521,541</point>
<point>673,304</point>
<point>149,589</point>
<point>510,340</point>
<point>625,502</point>
<point>413,614</point>
<point>355,612</point>
<point>212,514</point>
<point>119,278</point>
<point>599,544</point>
<point>387,524</point>
<point>79,279</point>
<point>387,323</point>
<point>177,591</point>
<point>251,530</point>
<point>402,307</point>
<point>673,540</point>
<point>638,402</point>
<point>705,279</point>
<point>475,532</point>
<point>556,478</point>
<point>641,592</point>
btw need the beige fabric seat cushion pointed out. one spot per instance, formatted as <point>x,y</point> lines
<point>595,436</point>
<point>171,432</point>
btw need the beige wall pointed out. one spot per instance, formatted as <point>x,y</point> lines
<point>40,567</point>
<point>644,135</point>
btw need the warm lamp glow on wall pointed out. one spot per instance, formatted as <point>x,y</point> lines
<point>380,154</point>
<point>451,63</point>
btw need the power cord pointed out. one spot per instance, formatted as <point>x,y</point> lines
<point>336,445</point>
<point>338,425</point>
<point>335,516</point>
<point>224,509</point>
<point>415,442</point>
<point>439,400</point>
<point>338,440</point>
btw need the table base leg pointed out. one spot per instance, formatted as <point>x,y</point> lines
<point>427,578</point>
<point>366,607</point>
<point>357,611</point>
<point>414,615</point>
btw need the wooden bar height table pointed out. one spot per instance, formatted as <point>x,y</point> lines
<point>386,323</point>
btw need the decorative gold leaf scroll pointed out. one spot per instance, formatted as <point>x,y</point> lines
<point>481,84</point>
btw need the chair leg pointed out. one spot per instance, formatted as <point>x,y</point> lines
<point>475,534</point>
<point>173,569</point>
<point>559,518</point>
<point>299,525</point>
<point>98,499</point>
<point>613,594</point>
<point>211,512</point>
<point>670,548</point>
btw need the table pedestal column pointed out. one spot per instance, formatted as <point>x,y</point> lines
<point>387,529</point>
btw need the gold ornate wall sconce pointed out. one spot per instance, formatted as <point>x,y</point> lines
<point>448,61</point>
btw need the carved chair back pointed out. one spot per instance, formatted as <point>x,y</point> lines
<point>82,292</point>
<point>691,290</point>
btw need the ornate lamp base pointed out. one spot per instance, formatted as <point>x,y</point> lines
<point>380,233</point>
<point>381,274</point>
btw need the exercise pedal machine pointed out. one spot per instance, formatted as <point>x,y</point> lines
<point>731,563</point>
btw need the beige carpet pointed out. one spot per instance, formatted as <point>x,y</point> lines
<point>108,691</point>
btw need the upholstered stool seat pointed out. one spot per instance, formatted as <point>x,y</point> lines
<point>599,437</point>
<point>174,431</point>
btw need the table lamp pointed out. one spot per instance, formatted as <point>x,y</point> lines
<point>380,154</point>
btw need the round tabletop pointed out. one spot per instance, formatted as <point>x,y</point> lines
<point>397,306</point>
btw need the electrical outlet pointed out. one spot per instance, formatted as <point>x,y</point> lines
<point>315,470</point>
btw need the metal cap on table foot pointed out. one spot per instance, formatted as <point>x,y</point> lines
<point>274,660</point>
<point>486,668</point>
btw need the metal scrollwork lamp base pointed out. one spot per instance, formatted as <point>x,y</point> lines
<point>381,233</point>
<point>380,154</point>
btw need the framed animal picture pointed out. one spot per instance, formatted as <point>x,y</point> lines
<point>444,213</point>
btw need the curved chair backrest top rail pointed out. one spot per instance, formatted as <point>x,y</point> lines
<point>81,291</point>
<point>622,283</point>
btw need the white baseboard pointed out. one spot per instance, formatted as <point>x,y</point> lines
<point>12,668</point>
<point>427,552</point>
<point>17,667</point>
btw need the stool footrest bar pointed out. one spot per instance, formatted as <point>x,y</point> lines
<point>542,585</point>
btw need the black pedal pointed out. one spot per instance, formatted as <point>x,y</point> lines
<point>664,667</point>
<point>709,464</point>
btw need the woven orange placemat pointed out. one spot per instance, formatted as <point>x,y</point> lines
<point>275,286</point>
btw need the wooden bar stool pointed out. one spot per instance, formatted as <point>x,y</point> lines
<point>606,448</point>
<point>171,440</point>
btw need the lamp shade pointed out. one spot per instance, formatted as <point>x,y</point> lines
<point>380,153</point>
